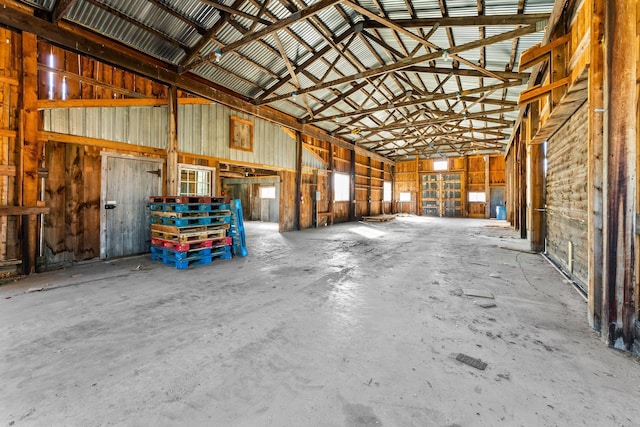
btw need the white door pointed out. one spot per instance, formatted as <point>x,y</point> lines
<point>127,183</point>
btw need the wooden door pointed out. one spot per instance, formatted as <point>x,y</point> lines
<point>451,195</point>
<point>496,199</point>
<point>431,194</point>
<point>127,183</point>
<point>442,194</point>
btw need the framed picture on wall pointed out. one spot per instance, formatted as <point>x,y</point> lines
<point>241,134</point>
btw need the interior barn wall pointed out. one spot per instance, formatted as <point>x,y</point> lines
<point>566,214</point>
<point>203,129</point>
<point>342,164</point>
<point>72,190</point>
<point>9,125</point>
<point>287,201</point>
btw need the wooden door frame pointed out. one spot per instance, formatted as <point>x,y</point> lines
<point>105,155</point>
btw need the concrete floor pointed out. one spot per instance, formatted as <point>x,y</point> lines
<point>351,325</point>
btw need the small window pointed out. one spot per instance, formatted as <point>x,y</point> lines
<point>268,192</point>
<point>386,191</point>
<point>477,196</point>
<point>196,181</point>
<point>405,196</point>
<point>341,184</point>
<point>440,165</point>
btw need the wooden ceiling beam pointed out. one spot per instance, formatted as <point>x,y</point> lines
<point>178,16</point>
<point>138,24</point>
<point>128,59</point>
<point>234,10</point>
<point>60,9</point>
<point>408,62</point>
<point>269,29</point>
<point>463,72</point>
<point>466,21</point>
<point>419,101</point>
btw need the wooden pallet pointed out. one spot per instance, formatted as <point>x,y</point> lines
<point>191,221</point>
<point>185,199</point>
<point>187,234</point>
<point>190,245</point>
<point>174,214</point>
<point>189,207</point>
<point>378,218</point>
<point>174,255</point>
<point>222,253</point>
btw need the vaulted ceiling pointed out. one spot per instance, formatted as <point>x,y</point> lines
<point>402,78</point>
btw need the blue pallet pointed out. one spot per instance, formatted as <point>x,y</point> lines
<point>192,260</point>
<point>179,255</point>
<point>189,207</point>
<point>191,221</point>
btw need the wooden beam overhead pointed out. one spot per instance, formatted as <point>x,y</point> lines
<point>60,9</point>
<point>156,70</point>
<point>250,37</point>
<point>410,61</point>
<point>467,21</point>
<point>418,101</point>
<point>231,10</point>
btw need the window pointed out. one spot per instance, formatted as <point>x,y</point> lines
<point>268,192</point>
<point>341,184</point>
<point>477,196</point>
<point>440,165</point>
<point>196,181</point>
<point>386,191</point>
<point>405,196</point>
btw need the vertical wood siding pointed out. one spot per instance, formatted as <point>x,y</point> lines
<point>566,190</point>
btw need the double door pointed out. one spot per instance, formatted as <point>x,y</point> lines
<point>442,194</point>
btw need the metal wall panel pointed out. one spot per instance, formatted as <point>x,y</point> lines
<point>146,126</point>
<point>202,130</point>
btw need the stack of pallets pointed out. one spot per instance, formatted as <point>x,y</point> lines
<point>188,231</point>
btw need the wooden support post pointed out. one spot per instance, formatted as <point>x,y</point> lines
<point>298,198</point>
<point>487,189</point>
<point>522,181</point>
<point>418,185</point>
<point>352,187</point>
<point>172,143</point>
<point>330,177</point>
<point>536,187</point>
<point>619,216</point>
<point>31,151</point>
<point>595,166</point>
<point>370,183</point>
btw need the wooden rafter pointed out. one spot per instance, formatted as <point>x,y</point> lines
<point>60,9</point>
<point>407,62</point>
<point>420,101</point>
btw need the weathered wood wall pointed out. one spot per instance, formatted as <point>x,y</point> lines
<point>567,198</point>
<point>10,68</point>
<point>477,174</point>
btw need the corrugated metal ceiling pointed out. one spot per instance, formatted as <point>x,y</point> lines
<point>335,49</point>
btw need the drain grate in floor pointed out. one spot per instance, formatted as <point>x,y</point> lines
<point>471,361</point>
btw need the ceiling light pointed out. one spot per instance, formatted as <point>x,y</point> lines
<point>294,95</point>
<point>218,54</point>
<point>445,55</point>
